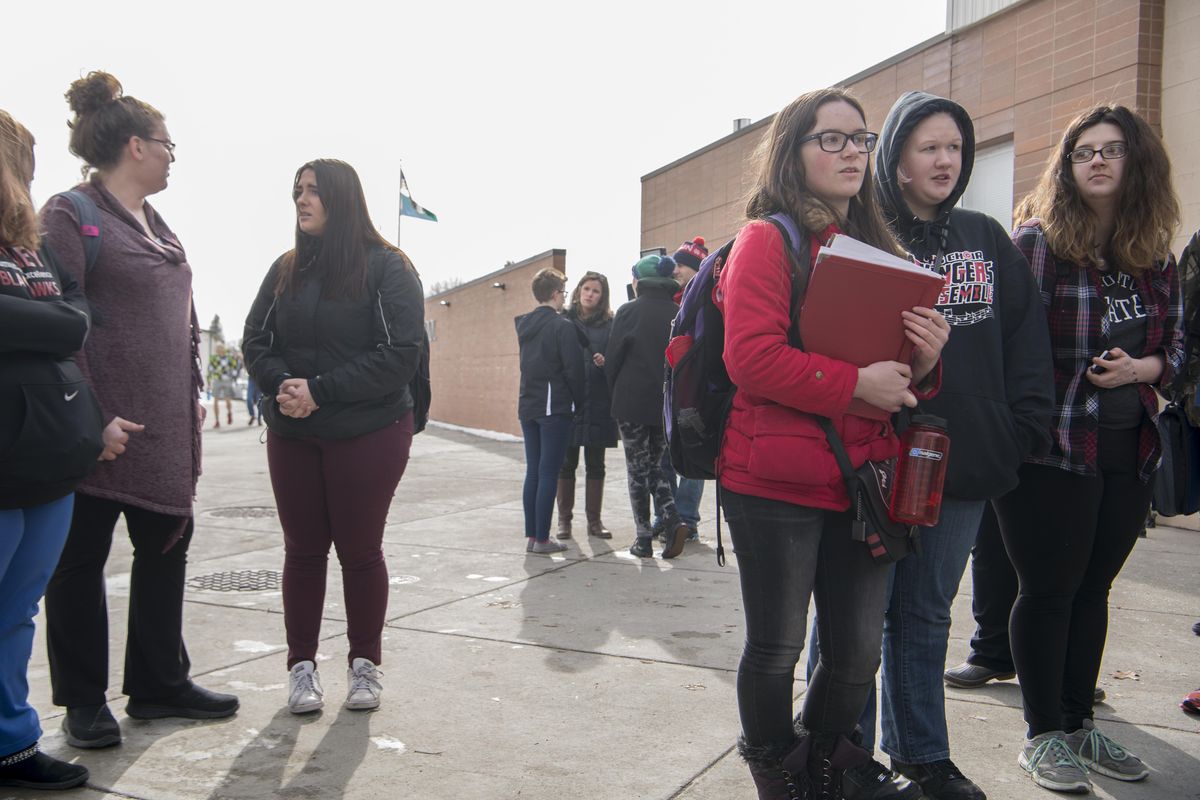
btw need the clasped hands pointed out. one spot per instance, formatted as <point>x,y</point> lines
<point>294,399</point>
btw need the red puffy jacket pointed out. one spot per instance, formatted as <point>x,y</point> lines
<point>773,446</point>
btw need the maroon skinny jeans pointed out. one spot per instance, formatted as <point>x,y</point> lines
<point>336,491</point>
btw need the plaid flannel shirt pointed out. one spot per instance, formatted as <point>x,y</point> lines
<point>1079,330</point>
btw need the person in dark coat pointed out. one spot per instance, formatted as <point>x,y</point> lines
<point>634,366</point>
<point>551,399</point>
<point>596,430</point>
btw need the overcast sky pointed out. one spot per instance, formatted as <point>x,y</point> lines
<point>522,125</point>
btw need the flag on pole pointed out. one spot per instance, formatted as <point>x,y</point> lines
<point>410,207</point>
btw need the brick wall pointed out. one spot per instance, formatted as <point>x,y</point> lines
<point>474,357</point>
<point>1022,74</point>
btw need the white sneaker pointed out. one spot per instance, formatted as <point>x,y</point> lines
<point>305,693</point>
<point>365,688</point>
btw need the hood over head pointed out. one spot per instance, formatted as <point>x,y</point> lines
<point>908,112</point>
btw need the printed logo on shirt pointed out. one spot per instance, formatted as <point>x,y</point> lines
<point>1121,295</point>
<point>970,287</point>
<point>29,279</point>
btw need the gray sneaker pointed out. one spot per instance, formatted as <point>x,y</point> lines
<point>1101,754</point>
<point>1052,765</point>
<point>548,546</point>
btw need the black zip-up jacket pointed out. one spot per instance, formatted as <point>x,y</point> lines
<point>997,391</point>
<point>50,422</point>
<point>358,354</point>
<point>637,350</point>
<point>552,380</point>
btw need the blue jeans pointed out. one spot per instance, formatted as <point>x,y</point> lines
<point>31,540</point>
<point>916,631</point>
<point>687,493</point>
<point>546,441</point>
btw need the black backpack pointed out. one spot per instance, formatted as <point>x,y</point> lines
<point>697,392</point>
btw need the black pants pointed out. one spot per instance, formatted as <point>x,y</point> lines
<point>1068,536</point>
<point>156,661</point>
<point>787,553</point>
<point>593,463</point>
<point>994,590</point>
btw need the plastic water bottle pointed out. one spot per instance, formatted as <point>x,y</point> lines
<point>920,472</point>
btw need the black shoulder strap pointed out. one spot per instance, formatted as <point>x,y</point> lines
<point>90,230</point>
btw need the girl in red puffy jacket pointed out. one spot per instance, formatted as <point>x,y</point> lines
<point>784,496</point>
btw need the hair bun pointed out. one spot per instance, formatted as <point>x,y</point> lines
<point>92,92</point>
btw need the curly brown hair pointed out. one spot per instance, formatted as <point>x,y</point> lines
<point>1147,213</point>
<point>18,220</point>
<point>105,119</point>
<point>781,186</point>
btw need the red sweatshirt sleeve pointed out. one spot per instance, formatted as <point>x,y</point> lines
<point>756,290</point>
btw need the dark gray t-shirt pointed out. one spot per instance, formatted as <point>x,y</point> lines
<point>1121,408</point>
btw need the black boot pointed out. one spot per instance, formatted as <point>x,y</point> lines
<point>779,769</point>
<point>32,769</point>
<point>841,769</point>
<point>566,506</point>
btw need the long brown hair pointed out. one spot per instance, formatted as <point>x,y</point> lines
<point>18,220</point>
<point>1147,213</point>
<point>781,186</point>
<point>603,310</point>
<point>105,119</point>
<point>339,255</point>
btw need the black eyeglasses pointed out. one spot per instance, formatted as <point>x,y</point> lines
<point>167,143</point>
<point>835,141</point>
<point>1110,151</point>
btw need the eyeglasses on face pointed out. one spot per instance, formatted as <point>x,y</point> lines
<point>835,141</point>
<point>167,143</point>
<point>1110,151</point>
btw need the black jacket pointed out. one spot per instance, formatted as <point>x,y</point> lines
<point>552,379</point>
<point>997,390</point>
<point>359,354</point>
<point>637,350</point>
<point>597,428</point>
<point>50,422</point>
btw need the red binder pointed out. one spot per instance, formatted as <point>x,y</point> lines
<point>851,310</point>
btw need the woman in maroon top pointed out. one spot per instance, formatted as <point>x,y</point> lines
<point>141,359</point>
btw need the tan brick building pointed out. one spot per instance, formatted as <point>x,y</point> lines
<point>1022,68</point>
<point>473,345</point>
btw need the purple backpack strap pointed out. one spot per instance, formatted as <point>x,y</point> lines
<point>790,226</point>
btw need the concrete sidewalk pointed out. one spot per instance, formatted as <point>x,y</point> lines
<point>592,674</point>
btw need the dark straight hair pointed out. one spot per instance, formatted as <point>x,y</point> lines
<point>338,257</point>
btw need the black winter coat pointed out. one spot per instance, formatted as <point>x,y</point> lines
<point>597,428</point>
<point>636,354</point>
<point>50,422</point>
<point>359,354</point>
<point>552,379</point>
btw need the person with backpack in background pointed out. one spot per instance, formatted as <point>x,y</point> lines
<point>142,359</point>
<point>224,368</point>
<point>784,497</point>
<point>997,395</point>
<point>687,491</point>
<point>335,338</point>
<point>634,368</point>
<point>552,399</point>
<point>596,430</point>
<point>1096,231</point>
<point>49,436</point>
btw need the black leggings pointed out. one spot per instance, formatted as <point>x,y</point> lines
<point>786,554</point>
<point>593,463</point>
<point>1068,536</point>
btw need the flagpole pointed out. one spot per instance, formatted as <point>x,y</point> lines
<point>400,210</point>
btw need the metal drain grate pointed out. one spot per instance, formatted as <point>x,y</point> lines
<point>243,512</point>
<point>243,580</point>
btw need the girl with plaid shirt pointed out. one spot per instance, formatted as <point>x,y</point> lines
<point>1097,236</point>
